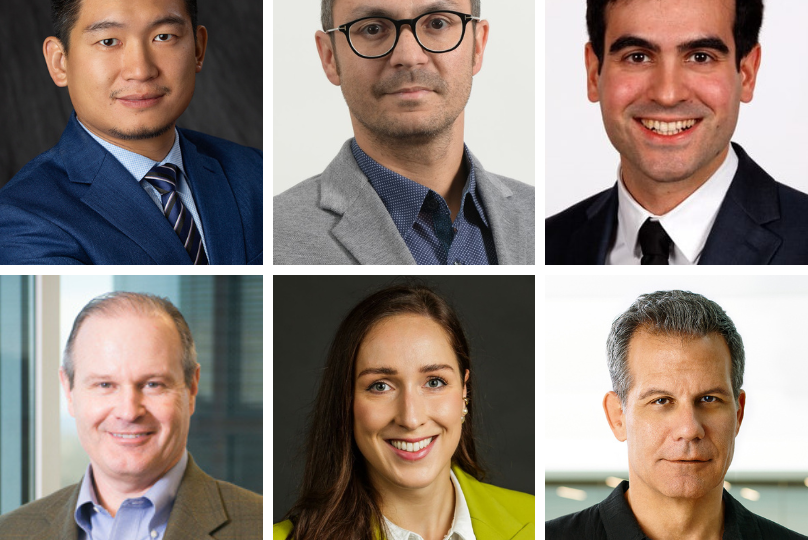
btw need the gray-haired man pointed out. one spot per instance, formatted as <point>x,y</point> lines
<point>676,363</point>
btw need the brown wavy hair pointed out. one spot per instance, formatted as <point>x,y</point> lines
<point>337,500</point>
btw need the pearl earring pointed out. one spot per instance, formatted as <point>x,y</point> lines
<point>465,410</point>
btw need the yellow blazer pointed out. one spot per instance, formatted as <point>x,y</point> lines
<point>496,513</point>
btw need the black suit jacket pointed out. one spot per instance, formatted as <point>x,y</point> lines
<point>612,519</point>
<point>760,222</point>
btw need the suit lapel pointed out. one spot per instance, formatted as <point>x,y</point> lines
<point>115,195</point>
<point>365,229</point>
<point>216,205</point>
<point>589,244</point>
<point>505,228</point>
<point>490,520</point>
<point>198,509</point>
<point>738,235</point>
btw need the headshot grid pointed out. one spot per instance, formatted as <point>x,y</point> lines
<point>672,103</point>
<point>680,396</point>
<point>404,407</point>
<point>132,407</point>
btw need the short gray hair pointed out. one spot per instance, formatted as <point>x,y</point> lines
<point>680,313</point>
<point>327,12</point>
<point>142,304</point>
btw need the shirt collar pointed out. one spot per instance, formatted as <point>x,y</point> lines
<point>404,198</point>
<point>137,164</point>
<point>461,524</point>
<point>161,495</point>
<point>689,224</point>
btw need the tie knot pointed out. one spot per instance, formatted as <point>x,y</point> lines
<point>163,177</point>
<point>654,242</point>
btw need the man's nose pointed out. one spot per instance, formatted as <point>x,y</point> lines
<point>688,423</point>
<point>411,409</point>
<point>669,84</point>
<point>138,62</point>
<point>408,52</point>
<point>130,404</point>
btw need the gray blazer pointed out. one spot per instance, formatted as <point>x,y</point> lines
<point>204,509</point>
<point>337,218</point>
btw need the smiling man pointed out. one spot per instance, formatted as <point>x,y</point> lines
<point>405,189</point>
<point>676,362</point>
<point>124,185</point>
<point>670,77</point>
<point>131,379</point>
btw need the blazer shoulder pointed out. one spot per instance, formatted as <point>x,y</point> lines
<point>35,518</point>
<point>210,145</point>
<point>584,524</point>
<point>280,531</point>
<point>520,505</point>
<point>576,214</point>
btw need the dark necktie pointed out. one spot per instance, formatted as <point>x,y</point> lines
<point>654,242</point>
<point>164,179</point>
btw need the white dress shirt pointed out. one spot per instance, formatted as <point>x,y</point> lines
<point>461,524</point>
<point>688,225</point>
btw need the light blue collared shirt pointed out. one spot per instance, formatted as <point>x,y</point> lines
<point>141,518</point>
<point>139,165</point>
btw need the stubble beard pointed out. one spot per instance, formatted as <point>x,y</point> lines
<point>140,134</point>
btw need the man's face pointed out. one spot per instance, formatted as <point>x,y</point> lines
<point>680,418</point>
<point>669,88</point>
<point>130,401</point>
<point>410,93</point>
<point>131,66</point>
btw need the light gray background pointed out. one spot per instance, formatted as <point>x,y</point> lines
<point>311,119</point>
<point>580,160</point>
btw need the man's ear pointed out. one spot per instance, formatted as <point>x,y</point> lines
<point>749,69</point>
<point>615,415</point>
<point>328,56</point>
<point>68,391</point>
<point>592,73</point>
<point>480,40</point>
<point>56,59</point>
<point>739,412</point>
<point>201,45</point>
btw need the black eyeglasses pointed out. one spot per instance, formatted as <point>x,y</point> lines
<point>435,31</point>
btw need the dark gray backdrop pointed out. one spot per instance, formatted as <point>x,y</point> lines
<point>34,111</point>
<point>498,314</point>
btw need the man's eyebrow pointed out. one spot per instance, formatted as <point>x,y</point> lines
<point>624,42</point>
<point>375,11</point>
<point>168,20</point>
<point>714,43</point>
<point>720,390</point>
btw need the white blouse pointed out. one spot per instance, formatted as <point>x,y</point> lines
<point>461,524</point>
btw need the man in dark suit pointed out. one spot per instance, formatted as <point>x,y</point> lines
<point>670,78</point>
<point>676,362</point>
<point>131,378</point>
<point>124,185</point>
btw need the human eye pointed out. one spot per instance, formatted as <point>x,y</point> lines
<point>700,57</point>
<point>435,382</point>
<point>164,37</point>
<point>637,57</point>
<point>371,28</point>
<point>710,399</point>
<point>154,384</point>
<point>437,22</point>
<point>661,401</point>
<point>378,387</point>
<point>109,42</point>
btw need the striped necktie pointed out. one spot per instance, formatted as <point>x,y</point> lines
<point>164,179</point>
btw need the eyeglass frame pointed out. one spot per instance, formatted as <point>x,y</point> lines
<point>466,17</point>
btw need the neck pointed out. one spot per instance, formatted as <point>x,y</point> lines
<point>658,197</point>
<point>666,518</point>
<point>154,148</point>
<point>111,492</point>
<point>427,511</point>
<point>436,162</point>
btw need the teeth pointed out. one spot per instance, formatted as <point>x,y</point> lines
<point>411,447</point>
<point>124,436</point>
<point>668,128</point>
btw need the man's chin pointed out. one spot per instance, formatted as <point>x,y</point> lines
<point>140,133</point>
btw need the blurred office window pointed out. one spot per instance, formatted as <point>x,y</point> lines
<point>225,314</point>
<point>16,391</point>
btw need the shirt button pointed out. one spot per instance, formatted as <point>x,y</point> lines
<point>95,508</point>
<point>154,534</point>
<point>458,262</point>
<point>431,204</point>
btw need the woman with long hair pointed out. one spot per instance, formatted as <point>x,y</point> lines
<point>390,452</point>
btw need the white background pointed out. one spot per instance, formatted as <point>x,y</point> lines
<point>769,313</point>
<point>311,120</point>
<point>580,159</point>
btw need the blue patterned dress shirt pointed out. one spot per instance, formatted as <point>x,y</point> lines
<point>141,518</point>
<point>140,165</point>
<point>423,219</point>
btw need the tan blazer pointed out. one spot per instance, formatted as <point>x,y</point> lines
<point>204,509</point>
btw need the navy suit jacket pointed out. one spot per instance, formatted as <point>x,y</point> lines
<point>76,204</point>
<point>760,221</point>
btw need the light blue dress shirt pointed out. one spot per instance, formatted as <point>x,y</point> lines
<point>139,165</point>
<point>141,518</point>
